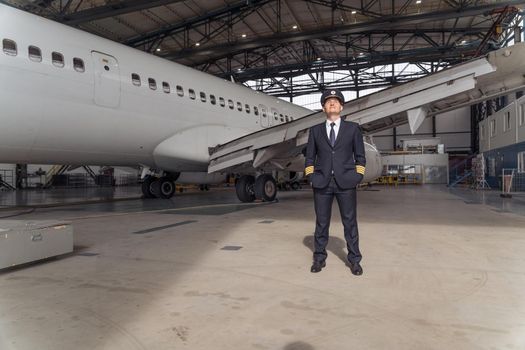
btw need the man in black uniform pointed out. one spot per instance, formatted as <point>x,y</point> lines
<point>335,162</point>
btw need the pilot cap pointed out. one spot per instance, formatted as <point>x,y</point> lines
<point>332,93</point>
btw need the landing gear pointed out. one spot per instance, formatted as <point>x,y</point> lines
<point>244,188</point>
<point>146,187</point>
<point>163,187</point>
<point>265,188</point>
<point>248,188</point>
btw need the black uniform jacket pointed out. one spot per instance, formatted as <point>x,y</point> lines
<point>346,158</point>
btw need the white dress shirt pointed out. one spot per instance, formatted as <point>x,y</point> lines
<point>336,127</point>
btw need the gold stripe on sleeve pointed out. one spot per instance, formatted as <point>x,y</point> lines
<point>360,169</point>
<point>308,170</point>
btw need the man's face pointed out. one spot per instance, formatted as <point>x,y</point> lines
<point>332,107</point>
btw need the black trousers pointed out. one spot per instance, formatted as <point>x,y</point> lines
<point>346,199</point>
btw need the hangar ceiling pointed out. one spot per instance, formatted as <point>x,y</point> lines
<point>286,47</point>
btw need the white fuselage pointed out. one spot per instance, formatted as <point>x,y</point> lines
<point>88,108</point>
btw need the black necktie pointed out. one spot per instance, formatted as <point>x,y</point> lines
<point>332,134</point>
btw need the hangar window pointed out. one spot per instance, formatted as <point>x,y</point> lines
<point>180,91</point>
<point>192,94</point>
<point>58,59</point>
<point>522,114</point>
<point>78,65</point>
<point>230,104</point>
<point>152,84</point>
<point>255,110</point>
<point>482,132</point>
<point>507,125</point>
<point>135,79</point>
<point>203,97</point>
<point>222,102</point>
<point>493,128</point>
<point>247,106</point>
<point>239,106</point>
<point>521,162</point>
<point>35,54</point>
<point>213,100</point>
<point>166,87</point>
<point>9,47</point>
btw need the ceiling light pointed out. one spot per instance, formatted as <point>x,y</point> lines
<point>294,27</point>
<point>319,58</point>
<point>418,2</point>
<point>158,49</point>
<point>354,12</point>
<point>463,41</point>
<point>244,35</point>
<point>197,44</point>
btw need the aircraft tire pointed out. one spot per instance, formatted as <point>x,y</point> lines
<point>265,188</point>
<point>163,188</point>
<point>146,187</point>
<point>244,188</point>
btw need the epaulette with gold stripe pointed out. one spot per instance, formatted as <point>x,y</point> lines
<point>308,170</point>
<point>360,169</point>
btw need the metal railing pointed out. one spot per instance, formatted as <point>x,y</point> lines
<point>512,181</point>
<point>7,180</point>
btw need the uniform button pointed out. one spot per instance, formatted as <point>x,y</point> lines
<point>333,152</point>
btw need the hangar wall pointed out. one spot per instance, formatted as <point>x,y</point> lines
<point>453,128</point>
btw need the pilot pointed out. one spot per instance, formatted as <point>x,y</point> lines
<point>335,163</point>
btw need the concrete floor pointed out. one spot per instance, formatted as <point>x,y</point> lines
<point>204,272</point>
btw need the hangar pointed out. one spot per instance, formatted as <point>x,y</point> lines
<point>127,127</point>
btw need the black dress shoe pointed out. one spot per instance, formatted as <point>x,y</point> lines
<point>356,269</point>
<point>317,266</point>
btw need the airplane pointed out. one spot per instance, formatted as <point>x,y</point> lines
<point>70,97</point>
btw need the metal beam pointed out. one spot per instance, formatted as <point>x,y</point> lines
<point>218,14</point>
<point>384,23</point>
<point>111,10</point>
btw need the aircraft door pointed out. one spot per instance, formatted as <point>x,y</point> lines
<point>263,111</point>
<point>107,80</point>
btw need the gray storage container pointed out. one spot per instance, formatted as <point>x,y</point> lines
<point>23,241</point>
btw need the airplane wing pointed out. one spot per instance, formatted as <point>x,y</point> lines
<point>280,147</point>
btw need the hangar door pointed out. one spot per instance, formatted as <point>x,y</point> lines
<point>107,80</point>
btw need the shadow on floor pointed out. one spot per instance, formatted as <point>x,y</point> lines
<point>335,245</point>
<point>298,345</point>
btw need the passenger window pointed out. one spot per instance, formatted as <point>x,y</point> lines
<point>78,65</point>
<point>135,79</point>
<point>247,106</point>
<point>192,94</point>
<point>35,54</point>
<point>9,47</point>
<point>152,84</point>
<point>239,106</point>
<point>58,59</point>
<point>166,87</point>
<point>221,102</point>
<point>203,97</point>
<point>212,99</point>
<point>255,110</point>
<point>275,115</point>
<point>230,104</point>
<point>180,91</point>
